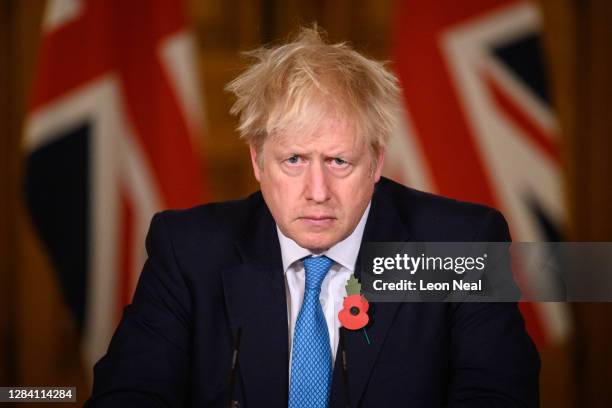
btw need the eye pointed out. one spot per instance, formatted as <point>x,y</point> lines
<point>293,164</point>
<point>293,160</point>
<point>338,163</point>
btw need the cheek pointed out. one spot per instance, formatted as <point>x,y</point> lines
<point>283,189</point>
<point>354,198</point>
<point>280,195</point>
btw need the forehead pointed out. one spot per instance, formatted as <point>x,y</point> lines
<point>331,130</point>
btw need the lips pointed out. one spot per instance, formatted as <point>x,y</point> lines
<point>317,220</point>
<point>316,213</point>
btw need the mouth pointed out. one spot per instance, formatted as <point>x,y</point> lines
<point>317,220</point>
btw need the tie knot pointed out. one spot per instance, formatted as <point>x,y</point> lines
<point>316,268</point>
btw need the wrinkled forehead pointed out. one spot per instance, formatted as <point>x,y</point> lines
<point>315,121</point>
<point>338,130</point>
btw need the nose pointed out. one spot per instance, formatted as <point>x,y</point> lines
<point>317,183</point>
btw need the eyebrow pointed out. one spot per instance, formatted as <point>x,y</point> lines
<point>285,149</point>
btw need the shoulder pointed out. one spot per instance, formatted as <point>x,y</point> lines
<point>219,222</point>
<point>430,217</point>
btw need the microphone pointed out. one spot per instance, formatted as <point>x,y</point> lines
<point>344,369</point>
<point>232,376</point>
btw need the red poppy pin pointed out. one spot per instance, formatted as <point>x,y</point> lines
<point>353,315</point>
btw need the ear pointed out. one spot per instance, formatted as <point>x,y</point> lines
<point>256,169</point>
<point>379,165</point>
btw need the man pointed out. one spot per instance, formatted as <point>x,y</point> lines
<point>264,278</point>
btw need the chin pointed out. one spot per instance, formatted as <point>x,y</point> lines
<point>316,244</point>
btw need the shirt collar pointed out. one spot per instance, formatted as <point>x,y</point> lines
<point>344,252</point>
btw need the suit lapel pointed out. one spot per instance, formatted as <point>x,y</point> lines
<point>384,225</point>
<point>256,303</point>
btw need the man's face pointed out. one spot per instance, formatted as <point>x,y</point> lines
<point>317,187</point>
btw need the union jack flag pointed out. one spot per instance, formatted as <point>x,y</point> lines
<point>109,141</point>
<point>478,123</point>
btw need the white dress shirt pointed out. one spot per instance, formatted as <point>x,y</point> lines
<point>333,290</point>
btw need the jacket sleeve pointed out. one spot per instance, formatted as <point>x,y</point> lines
<point>147,362</point>
<point>495,363</point>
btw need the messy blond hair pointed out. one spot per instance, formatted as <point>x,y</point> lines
<point>295,85</point>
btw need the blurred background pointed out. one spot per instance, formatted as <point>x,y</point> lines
<point>111,110</point>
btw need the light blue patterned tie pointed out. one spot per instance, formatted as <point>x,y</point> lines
<point>311,361</point>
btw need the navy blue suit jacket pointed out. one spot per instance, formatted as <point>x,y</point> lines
<point>217,267</point>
